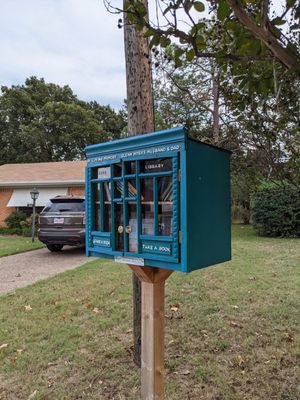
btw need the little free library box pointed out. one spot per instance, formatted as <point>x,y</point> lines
<point>161,199</point>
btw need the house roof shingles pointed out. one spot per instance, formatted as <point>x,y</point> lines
<point>46,173</point>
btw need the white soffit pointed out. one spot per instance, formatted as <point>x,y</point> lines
<point>21,197</point>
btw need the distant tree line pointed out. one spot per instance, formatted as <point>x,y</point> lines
<point>42,122</point>
<point>262,129</point>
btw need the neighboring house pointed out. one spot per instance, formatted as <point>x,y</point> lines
<point>50,178</point>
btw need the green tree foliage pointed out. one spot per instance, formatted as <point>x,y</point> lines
<point>183,95</point>
<point>42,121</point>
<point>112,123</point>
<point>261,129</point>
<point>239,35</point>
<point>276,212</point>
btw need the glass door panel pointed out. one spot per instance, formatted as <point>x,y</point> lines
<point>117,168</point>
<point>118,189</point>
<point>131,188</point>
<point>130,167</point>
<point>107,207</point>
<point>119,226</point>
<point>147,206</point>
<point>165,205</point>
<point>131,229</point>
<point>96,189</point>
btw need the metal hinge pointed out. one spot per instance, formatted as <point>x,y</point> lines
<point>179,237</point>
<point>178,175</point>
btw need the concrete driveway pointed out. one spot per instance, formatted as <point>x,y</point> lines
<point>22,269</point>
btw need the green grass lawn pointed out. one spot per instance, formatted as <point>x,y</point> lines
<point>17,244</point>
<point>235,334</point>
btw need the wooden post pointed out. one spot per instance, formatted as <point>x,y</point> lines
<point>140,120</point>
<point>152,317</point>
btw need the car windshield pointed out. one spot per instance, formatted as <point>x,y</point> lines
<point>59,206</point>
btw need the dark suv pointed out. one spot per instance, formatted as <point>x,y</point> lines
<point>62,222</point>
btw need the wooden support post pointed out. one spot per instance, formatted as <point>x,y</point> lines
<point>152,357</point>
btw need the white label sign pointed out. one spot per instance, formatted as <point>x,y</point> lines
<point>104,173</point>
<point>130,260</point>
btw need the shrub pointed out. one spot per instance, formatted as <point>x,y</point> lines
<point>276,212</point>
<point>13,221</point>
<point>27,226</point>
<point>26,231</point>
<point>10,231</point>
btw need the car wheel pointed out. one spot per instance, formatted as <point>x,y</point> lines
<point>55,247</point>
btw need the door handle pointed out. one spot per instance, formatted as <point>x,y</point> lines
<point>120,229</point>
<point>128,229</point>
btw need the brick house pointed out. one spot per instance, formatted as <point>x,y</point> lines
<point>50,178</point>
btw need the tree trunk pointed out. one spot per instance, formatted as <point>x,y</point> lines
<point>139,81</point>
<point>140,120</point>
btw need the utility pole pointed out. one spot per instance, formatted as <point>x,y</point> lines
<point>216,105</point>
<point>140,120</point>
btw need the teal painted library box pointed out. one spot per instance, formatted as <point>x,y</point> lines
<point>160,199</point>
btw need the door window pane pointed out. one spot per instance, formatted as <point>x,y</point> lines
<point>131,229</point>
<point>131,188</point>
<point>147,205</point>
<point>165,205</point>
<point>118,189</point>
<point>118,169</point>
<point>96,188</point>
<point>130,167</point>
<point>119,226</point>
<point>107,206</point>
<point>156,165</point>
<point>107,195</point>
<point>107,217</point>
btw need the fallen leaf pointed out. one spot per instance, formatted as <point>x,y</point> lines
<point>32,396</point>
<point>235,324</point>
<point>88,306</point>
<point>241,361</point>
<point>186,372</point>
<point>2,346</point>
<point>174,307</point>
<point>28,308</point>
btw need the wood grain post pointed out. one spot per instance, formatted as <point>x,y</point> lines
<point>140,120</point>
<point>152,346</point>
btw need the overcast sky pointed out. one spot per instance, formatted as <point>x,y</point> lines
<point>73,42</point>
